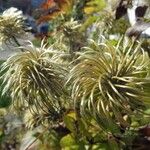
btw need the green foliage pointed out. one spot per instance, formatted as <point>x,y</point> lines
<point>94,6</point>
<point>68,141</point>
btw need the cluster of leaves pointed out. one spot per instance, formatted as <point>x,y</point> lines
<point>113,86</point>
<point>11,25</point>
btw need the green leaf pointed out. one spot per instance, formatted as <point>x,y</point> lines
<point>94,6</point>
<point>89,21</point>
<point>70,123</point>
<point>67,141</point>
<point>5,100</point>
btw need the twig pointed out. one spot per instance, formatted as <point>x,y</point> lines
<point>18,44</point>
<point>36,139</point>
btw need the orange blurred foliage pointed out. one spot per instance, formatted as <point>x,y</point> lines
<point>53,8</point>
<point>48,4</point>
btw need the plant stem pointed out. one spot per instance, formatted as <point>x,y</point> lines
<point>16,41</point>
<point>40,135</point>
<point>18,44</point>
